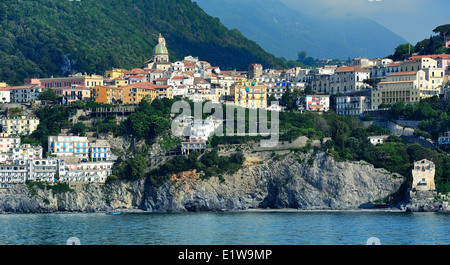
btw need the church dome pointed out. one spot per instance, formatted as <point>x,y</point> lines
<point>160,49</point>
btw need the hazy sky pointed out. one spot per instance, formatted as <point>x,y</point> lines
<point>414,20</point>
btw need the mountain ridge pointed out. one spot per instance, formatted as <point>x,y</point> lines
<point>284,31</point>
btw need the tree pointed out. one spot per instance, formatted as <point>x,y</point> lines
<point>372,81</point>
<point>79,129</point>
<point>442,30</point>
<point>340,132</point>
<point>271,99</point>
<point>136,168</point>
<point>48,94</point>
<point>307,60</point>
<point>308,90</point>
<point>287,99</point>
<point>398,109</point>
<point>402,51</point>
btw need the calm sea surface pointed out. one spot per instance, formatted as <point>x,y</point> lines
<point>225,228</point>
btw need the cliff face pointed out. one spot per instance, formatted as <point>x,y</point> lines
<point>266,181</point>
<point>427,201</point>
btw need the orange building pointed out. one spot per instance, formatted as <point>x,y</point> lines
<point>134,93</point>
<point>106,94</point>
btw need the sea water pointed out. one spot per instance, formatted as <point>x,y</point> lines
<point>228,228</point>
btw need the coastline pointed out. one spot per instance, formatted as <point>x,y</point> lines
<point>325,210</point>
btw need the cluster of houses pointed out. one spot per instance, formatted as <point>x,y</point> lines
<point>70,159</point>
<point>367,84</point>
<point>361,86</point>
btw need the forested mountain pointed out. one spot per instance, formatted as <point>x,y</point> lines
<point>284,31</point>
<point>57,37</point>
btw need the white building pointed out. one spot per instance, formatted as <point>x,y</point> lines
<point>277,89</point>
<point>352,105</point>
<point>348,79</point>
<point>317,103</point>
<point>13,173</point>
<point>178,66</point>
<point>7,142</point>
<point>42,169</point>
<point>199,131</point>
<point>23,94</point>
<point>27,152</point>
<point>65,145</point>
<point>100,150</point>
<point>5,95</point>
<point>85,172</point>
<point>375,140</point>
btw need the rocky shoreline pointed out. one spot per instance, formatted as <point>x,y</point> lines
<point>263,184</point>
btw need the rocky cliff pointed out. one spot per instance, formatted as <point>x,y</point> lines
<point>427,201</point>
<point>284,179</point>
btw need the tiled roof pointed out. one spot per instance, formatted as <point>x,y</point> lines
<point>403,73</point>
<point>345,69</point>
<point>432,56</point>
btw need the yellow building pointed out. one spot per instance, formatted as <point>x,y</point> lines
<point>164,91</point>
<point>433,73</point>
<point>417,64</point>
<point>249,94</point>
<point>115,73</point>
<point>22,125</point>
<point>408,87</point>
<point>436,77</point>
<point>106,94</point>
<point>134,93</point>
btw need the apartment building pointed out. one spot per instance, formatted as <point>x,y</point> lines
<point>19,125</point>
<point>73,93</point>
<point>42,169</point>
<point>107,94</point>
<point>408,87</point>
<point>7,142</point>
<point>315,103</point>
<point>25,93</point>
<point>352,105</point>
<point>249,94</point>
<point>433,72</point>
<point>348,79</point>
<point>134,93</point>
<point>85,172</point>
<point>100,150</point>
<point>64,145</point>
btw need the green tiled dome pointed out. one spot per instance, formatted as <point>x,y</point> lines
<point>160,49</point>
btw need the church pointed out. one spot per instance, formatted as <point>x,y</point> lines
<point>160,58</point>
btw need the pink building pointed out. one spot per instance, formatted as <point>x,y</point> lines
<point>74,93</point>
<point>72,80</point>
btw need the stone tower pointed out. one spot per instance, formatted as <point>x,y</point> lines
<point>255,70</point>
<point>423,175</point>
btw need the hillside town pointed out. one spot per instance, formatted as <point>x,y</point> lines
<point>364,86</point>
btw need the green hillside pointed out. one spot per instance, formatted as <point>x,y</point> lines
<point>58,37</point>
